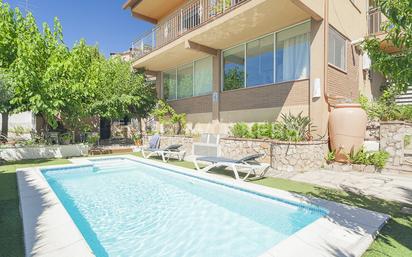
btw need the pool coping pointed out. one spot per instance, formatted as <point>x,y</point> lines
<point>50,231</point>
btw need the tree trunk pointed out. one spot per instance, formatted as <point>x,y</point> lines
<point>139,124</point>
<point>4,125</point>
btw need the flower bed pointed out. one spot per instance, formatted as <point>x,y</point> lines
<point>43,152</point>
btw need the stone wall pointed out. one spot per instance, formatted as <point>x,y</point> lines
<point>165,141</point>
<point>285,156</point>
<point>392,140</point>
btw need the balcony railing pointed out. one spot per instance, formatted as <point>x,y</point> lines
<point>374,21</point>
<point>191,16</point>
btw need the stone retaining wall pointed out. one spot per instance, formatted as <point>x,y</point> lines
<point>392,140</point>
<point>285,156</point>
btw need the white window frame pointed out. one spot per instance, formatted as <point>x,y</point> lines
<point>345,49</point>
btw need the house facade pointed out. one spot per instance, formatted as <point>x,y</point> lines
<point>228,61</point>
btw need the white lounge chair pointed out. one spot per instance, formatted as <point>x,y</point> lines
<point>248,163</point>
<point>165,153</point>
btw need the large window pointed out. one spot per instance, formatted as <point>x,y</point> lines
<point>292,53</point>
<point>337,49</point>
<point>203,76</point>
<point>169,85</point>
<point>189,80</point>
<point>185,81</point>
<point>234,68</point>
<point>257,63</point>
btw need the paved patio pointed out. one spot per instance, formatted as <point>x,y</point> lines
<point>394,187</point>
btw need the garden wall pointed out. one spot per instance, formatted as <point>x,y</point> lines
<point>43,152</point>
<point>284,156</point>
<point>392,140</point>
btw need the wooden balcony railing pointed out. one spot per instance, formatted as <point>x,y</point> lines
<point>191,16</point>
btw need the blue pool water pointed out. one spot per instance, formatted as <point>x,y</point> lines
<point>127,208</point>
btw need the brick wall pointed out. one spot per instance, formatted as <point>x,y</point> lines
<point>197,104</point>
<point>345,83</point>
<point>277,95</point>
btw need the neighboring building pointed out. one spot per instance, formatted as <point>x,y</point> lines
<point>22,125</point>
<point>225,61</point>
<point>126,55</point>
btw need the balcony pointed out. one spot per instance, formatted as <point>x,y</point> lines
<point>191,16</point>
<point>374,21</point>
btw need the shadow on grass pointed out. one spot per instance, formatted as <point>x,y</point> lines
<point>11,229</point>
<point>395,239</point>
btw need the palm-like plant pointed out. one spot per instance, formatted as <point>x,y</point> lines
<point>295,127</point>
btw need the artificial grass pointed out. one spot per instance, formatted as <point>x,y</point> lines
<point>395,238</point>
<point>11,231</point>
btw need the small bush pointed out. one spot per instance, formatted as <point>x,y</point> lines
<point>240,130</point>
<point>291,128</point>
<point>378,159</point>
<point>331,156</point>
<point>255,131</point>
<point>386,111</point>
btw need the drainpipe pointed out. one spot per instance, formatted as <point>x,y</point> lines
<point>325,51</point>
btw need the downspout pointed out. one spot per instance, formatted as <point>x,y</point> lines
<point>325,51</point>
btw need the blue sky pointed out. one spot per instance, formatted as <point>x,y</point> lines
<point>101,22</point>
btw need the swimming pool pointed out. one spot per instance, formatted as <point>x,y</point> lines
<point>127,208</point>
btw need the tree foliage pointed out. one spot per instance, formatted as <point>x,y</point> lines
<point>168,117</point>
<point>396,67</point>
<point>62,85</point>
<point>120,92</point>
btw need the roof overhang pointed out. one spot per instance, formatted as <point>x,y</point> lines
<point>152,10</point>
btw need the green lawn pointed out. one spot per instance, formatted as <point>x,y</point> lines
<point>395,239</point>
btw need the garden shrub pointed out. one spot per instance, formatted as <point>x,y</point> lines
<point>290,128</point>
<point>169,118</point>
<point>378,159</point>
<point>241,130</point>
<point>386,110</point>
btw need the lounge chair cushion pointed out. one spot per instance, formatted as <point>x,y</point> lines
<point>252,157</point>
<point>154,142</point>
<point>213,159</point>
<point>172,148</point>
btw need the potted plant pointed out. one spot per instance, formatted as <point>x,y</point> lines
<point>137,139</point>
<point>93,140</point>
<point>66,139</point>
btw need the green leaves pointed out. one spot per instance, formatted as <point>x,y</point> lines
<point>168,117</point>
<point>396,67</point>
<point>293,128</point>
<point>120,92</point>
<point>64,85</point>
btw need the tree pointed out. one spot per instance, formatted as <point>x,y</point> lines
<point>71,80</point>
<point>6,94</point>
<point>8,53</point>
<point>396,67</point>
<point>121,92</point>
<point>36,51</point>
